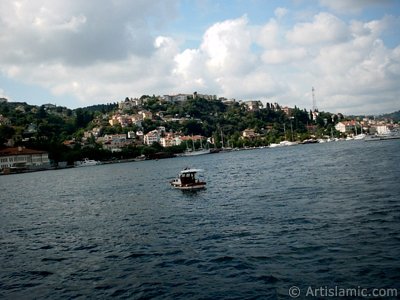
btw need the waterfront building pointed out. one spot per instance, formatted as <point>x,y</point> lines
<point>20,157</point>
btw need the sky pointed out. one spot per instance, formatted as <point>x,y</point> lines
<point>78,53</point>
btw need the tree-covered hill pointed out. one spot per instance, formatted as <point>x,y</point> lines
<point>48,126</point>
<point>395,116</point>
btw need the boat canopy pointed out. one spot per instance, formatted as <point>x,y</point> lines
<point>188,171</point>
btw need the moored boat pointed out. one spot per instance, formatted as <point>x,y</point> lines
<point>187,180</point>
<point>195,152</point>
<point>283,144</point>
<point>86,163</point>
<point>360,136</point>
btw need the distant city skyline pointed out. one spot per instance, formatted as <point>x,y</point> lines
<point>79,53</point>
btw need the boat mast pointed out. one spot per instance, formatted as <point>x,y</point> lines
<point>284,130</point>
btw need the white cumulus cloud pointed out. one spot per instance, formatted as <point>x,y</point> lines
<point>325,28</point>
<point>102,53</point>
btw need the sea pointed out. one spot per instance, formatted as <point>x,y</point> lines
<point>276,223</point>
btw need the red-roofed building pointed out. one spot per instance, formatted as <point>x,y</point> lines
<point>20,157</point>
<point>347,126</point>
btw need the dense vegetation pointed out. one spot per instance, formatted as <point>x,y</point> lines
<point>395,116</point>
<point>46,127</point>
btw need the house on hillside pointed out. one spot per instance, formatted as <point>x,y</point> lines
<point>4,120</point>
<point>288,111</point>
<point>151,137</point>
<point>347,126</point>
<point>177,98</point>
<point>170,140</point>
<point>115,142</point>
<point>254,105</point>
<point>248,133</point>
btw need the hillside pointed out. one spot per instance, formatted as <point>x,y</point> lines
<point>395,116</point>
<point>70,135</point>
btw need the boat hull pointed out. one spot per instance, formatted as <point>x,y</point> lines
<point>191,188</point>
<point>86,163</point>
<point>195,153</point>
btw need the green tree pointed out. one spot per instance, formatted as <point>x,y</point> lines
<point>6,132</point>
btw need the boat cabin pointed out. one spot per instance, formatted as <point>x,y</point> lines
<point>188,178</point>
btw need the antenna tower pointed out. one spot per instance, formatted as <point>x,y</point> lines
<point>314,101</point>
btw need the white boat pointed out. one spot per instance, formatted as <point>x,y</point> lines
<point>288,143</point>
<point>283,144</point>
<point>360,136</point>
<point>195,152</point>
<point>382,137</point>
<point>140,158</point>
<point>86,163</point>
<point>273,145</point>
<point>187,180</point>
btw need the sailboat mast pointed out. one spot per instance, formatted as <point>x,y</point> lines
<point>284,130</point>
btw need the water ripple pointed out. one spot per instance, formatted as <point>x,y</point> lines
<point>319,215</point>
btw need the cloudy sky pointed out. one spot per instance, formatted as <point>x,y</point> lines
<point>77,53</point>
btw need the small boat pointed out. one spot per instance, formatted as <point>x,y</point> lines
<point>140,158</point>
<point>360,136</point>
<point>187,180</point>
<point>86,163</point>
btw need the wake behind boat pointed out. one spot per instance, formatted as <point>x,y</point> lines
<point>187,180</point>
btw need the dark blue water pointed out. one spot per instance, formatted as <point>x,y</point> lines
<point>309,215</point>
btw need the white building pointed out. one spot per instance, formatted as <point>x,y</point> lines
<point>177,98</point>
<point>131,134</point>
<point>248,133</point>
<point>170,140</point>
<point>20,157</point>
<point>347,126</point>
<point>152,137</point>
<point>115,142</point>
<point>382,129</point>
<point>129,104</point>
<point>254,105</point>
